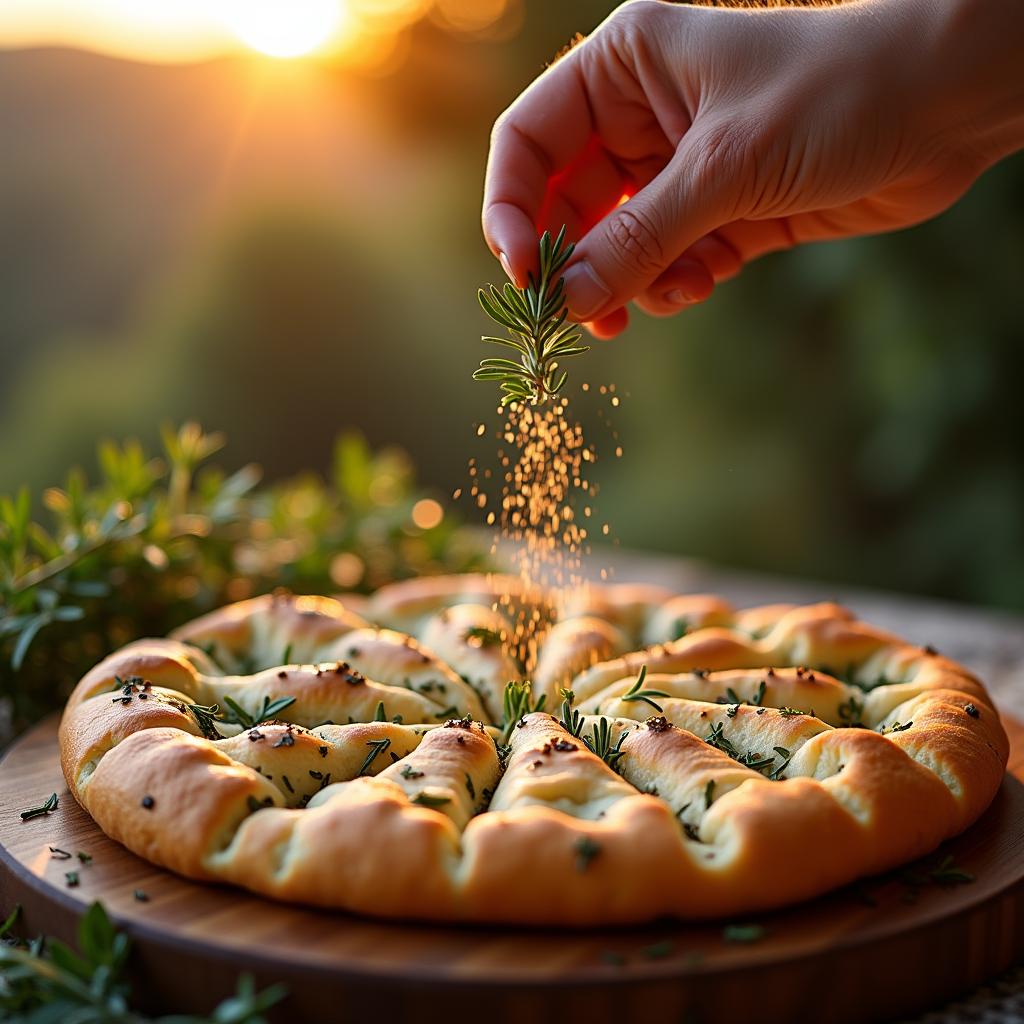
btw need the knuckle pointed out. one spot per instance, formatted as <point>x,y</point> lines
<point>722,162</point>
<point>637,14</point>
<point>716,150</point>
<point>629,23</point>
<point>635,241</point>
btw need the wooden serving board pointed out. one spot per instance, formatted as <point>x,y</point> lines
<point>877,951</point>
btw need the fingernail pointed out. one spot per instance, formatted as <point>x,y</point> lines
<point>678,298</point>
<point>503,260</point>
<point>585,292</point>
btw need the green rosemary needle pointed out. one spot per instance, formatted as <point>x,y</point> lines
<point>517,703</point>
<point>635,692</point>
<point>240,716</point>
<point>50,804</point>
<point>535,319</point>
<point>599,742</point>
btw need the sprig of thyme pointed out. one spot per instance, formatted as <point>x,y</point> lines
<point>535,318</point>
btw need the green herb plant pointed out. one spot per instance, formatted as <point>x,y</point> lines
<point>45,981</point>
<point>160,538</point>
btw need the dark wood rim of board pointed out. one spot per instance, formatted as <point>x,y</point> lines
<point>966,900</point>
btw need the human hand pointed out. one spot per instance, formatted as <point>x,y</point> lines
<point>738,132</point>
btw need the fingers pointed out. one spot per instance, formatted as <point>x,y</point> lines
<point>710,261</point>
<point>584,192</point>
<point>610,326</point>
<point>629,249</point>
<point>685,282</point>
<point>539,136</point>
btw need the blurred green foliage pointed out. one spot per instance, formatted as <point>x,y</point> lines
<point>45,981</point>
<point>158,540</point>
<point>847,411</point>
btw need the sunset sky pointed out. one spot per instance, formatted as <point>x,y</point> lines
<point>190,30</point>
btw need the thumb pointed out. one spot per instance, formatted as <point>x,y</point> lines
<point>623,254</point>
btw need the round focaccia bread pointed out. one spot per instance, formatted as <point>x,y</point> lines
<point>669,756</point>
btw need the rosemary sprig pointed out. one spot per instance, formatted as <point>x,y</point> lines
<point>517,704</point>
<point>750,759</point>
<point>535,319</point>
<point>206,718</point>
<point>786,756</point>
<point>571,720</point>
<point>635,692</point>
<point>716,738</point>
<point>733,698</point>
<point>376,747</point>
<point>600,743</point>
<point>268,712</point>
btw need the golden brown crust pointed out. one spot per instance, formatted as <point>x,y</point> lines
<point>473,639</point>
<point>790,743</point>
<point>257,633</point>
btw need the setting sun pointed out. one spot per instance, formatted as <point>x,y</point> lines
<point>284,29</point>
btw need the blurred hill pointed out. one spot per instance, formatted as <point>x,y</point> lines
<point>285,250</point>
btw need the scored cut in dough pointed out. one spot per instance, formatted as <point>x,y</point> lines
<point>702,751</point>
